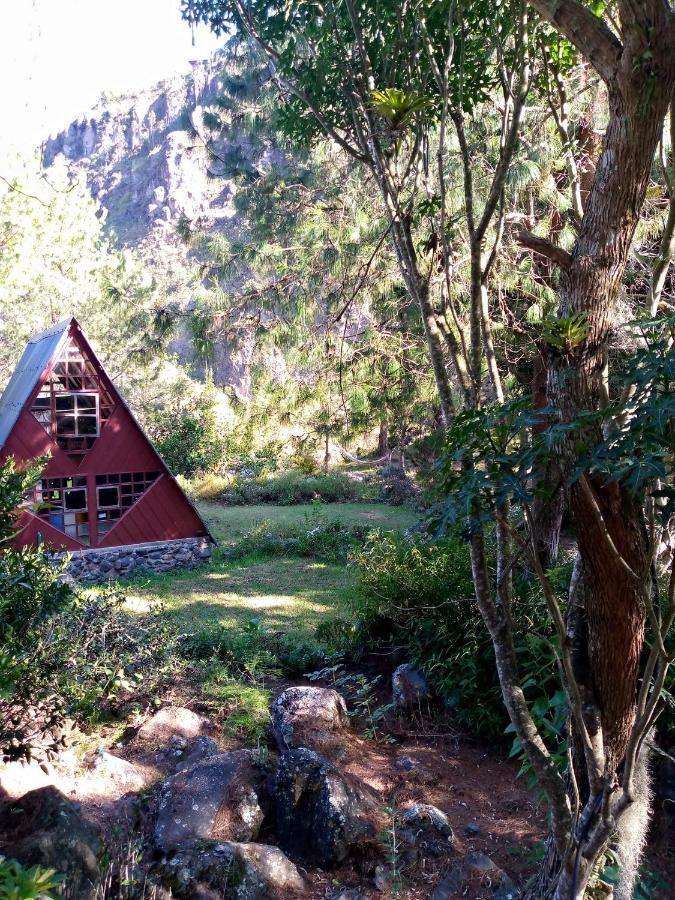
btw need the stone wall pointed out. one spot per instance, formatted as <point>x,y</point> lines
<point>92,566</point>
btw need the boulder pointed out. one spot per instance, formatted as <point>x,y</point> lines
<point>44,828</point>
<point>473,875</point>
<point>170,721</point>
<point>320,816</point>
<point>307,717</point>
<point>409,687</point>
<point>201,748</point>
<point>120,772</point>
<point>233,871</point>
<point>424,831</point>
<point>216,798</point>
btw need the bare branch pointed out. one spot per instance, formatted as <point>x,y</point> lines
<point>540,245</point>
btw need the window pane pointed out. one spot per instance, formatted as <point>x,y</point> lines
<point>65,425</point>
<point>76,499</point>
<point>86,401</point>
<point>86,425</point>
<point>151,476</point>
<point>65,402</point>
<point>101,479</point>
<point>126,476</point>
<point>108,496</point>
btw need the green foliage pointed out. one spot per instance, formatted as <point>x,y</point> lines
<point>63,652</point>
<point>564,334</point>
<point>419,594</point>
<point>20,883</point>
<point>315,537</point>
<point>399,107</point>
<point>188,435</point>
<point>296,487</point>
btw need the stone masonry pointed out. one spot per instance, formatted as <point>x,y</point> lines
<point>109,564</point>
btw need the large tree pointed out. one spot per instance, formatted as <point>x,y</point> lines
<point>384,81</point>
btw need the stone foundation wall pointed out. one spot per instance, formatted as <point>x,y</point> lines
<point>93,566</point>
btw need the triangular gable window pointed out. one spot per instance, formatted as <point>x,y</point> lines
<point>73,405</point>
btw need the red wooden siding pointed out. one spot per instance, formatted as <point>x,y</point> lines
<point>33,528</point>
<point>160,515</point>
<point>121,447</point>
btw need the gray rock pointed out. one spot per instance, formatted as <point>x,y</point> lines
<point>44,828</point>
<point>475,873</point>
<point>170,721</point>
<point>472,829</point>
<point>233,871</point>
<point>409,686</point>
<point>320,816</point>
<point>307,716</point>
<point>423,814</point>
<point>201,748</point>
<point>119,771</point>
<point>216,798</point>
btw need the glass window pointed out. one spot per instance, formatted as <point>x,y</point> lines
<point>108,496</point>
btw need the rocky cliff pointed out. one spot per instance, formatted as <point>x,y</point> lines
<point>144,159</point>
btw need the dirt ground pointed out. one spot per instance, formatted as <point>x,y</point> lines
<point>431,762</point>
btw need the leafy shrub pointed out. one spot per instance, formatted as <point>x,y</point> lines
<point>62,652</point>
<point>315,538</point>
<point>419,593</point>
<point>188,436</point>
<point>20,883</point>
<point>209,486</point>
<point>294,487</point>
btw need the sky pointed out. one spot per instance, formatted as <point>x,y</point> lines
<point>58,56</point>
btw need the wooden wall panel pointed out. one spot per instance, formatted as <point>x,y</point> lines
<point>32,528</point>
<point>162,514</point>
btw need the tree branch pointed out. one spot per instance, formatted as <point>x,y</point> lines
<point>543,247</point>
<point>586,31</point>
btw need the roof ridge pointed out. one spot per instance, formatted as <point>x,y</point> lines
<point>57,328</point>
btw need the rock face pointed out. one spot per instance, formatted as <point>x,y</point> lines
<point>145,160</point>
<point>409,687</point>
<point>44,828</point>
<point>217,798</point>
<point>320,816</point>
<point>234,871</point>
<point>307,716</point>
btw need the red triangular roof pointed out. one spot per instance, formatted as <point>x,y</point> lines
<point>122,446</point>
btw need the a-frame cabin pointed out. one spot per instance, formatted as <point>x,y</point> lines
<point>104,485</point>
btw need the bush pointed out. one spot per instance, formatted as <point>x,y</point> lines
<point>296,487</point>
<point>316,537</point>
<point>419,593</point>
<point>187,436</point>
<point>208,486</point>
<point>20,883</point>
<point>62,653</point>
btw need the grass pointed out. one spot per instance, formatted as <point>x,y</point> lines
<point>245,619</point>
<point>283,592</point>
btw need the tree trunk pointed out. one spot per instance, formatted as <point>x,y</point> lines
<point>610,526</point>
<point>383,439</point>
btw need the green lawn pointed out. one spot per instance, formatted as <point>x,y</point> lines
<point>285,593</point>
<point>229,523</point>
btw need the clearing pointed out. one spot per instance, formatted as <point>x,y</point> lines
<point>282,591</point>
